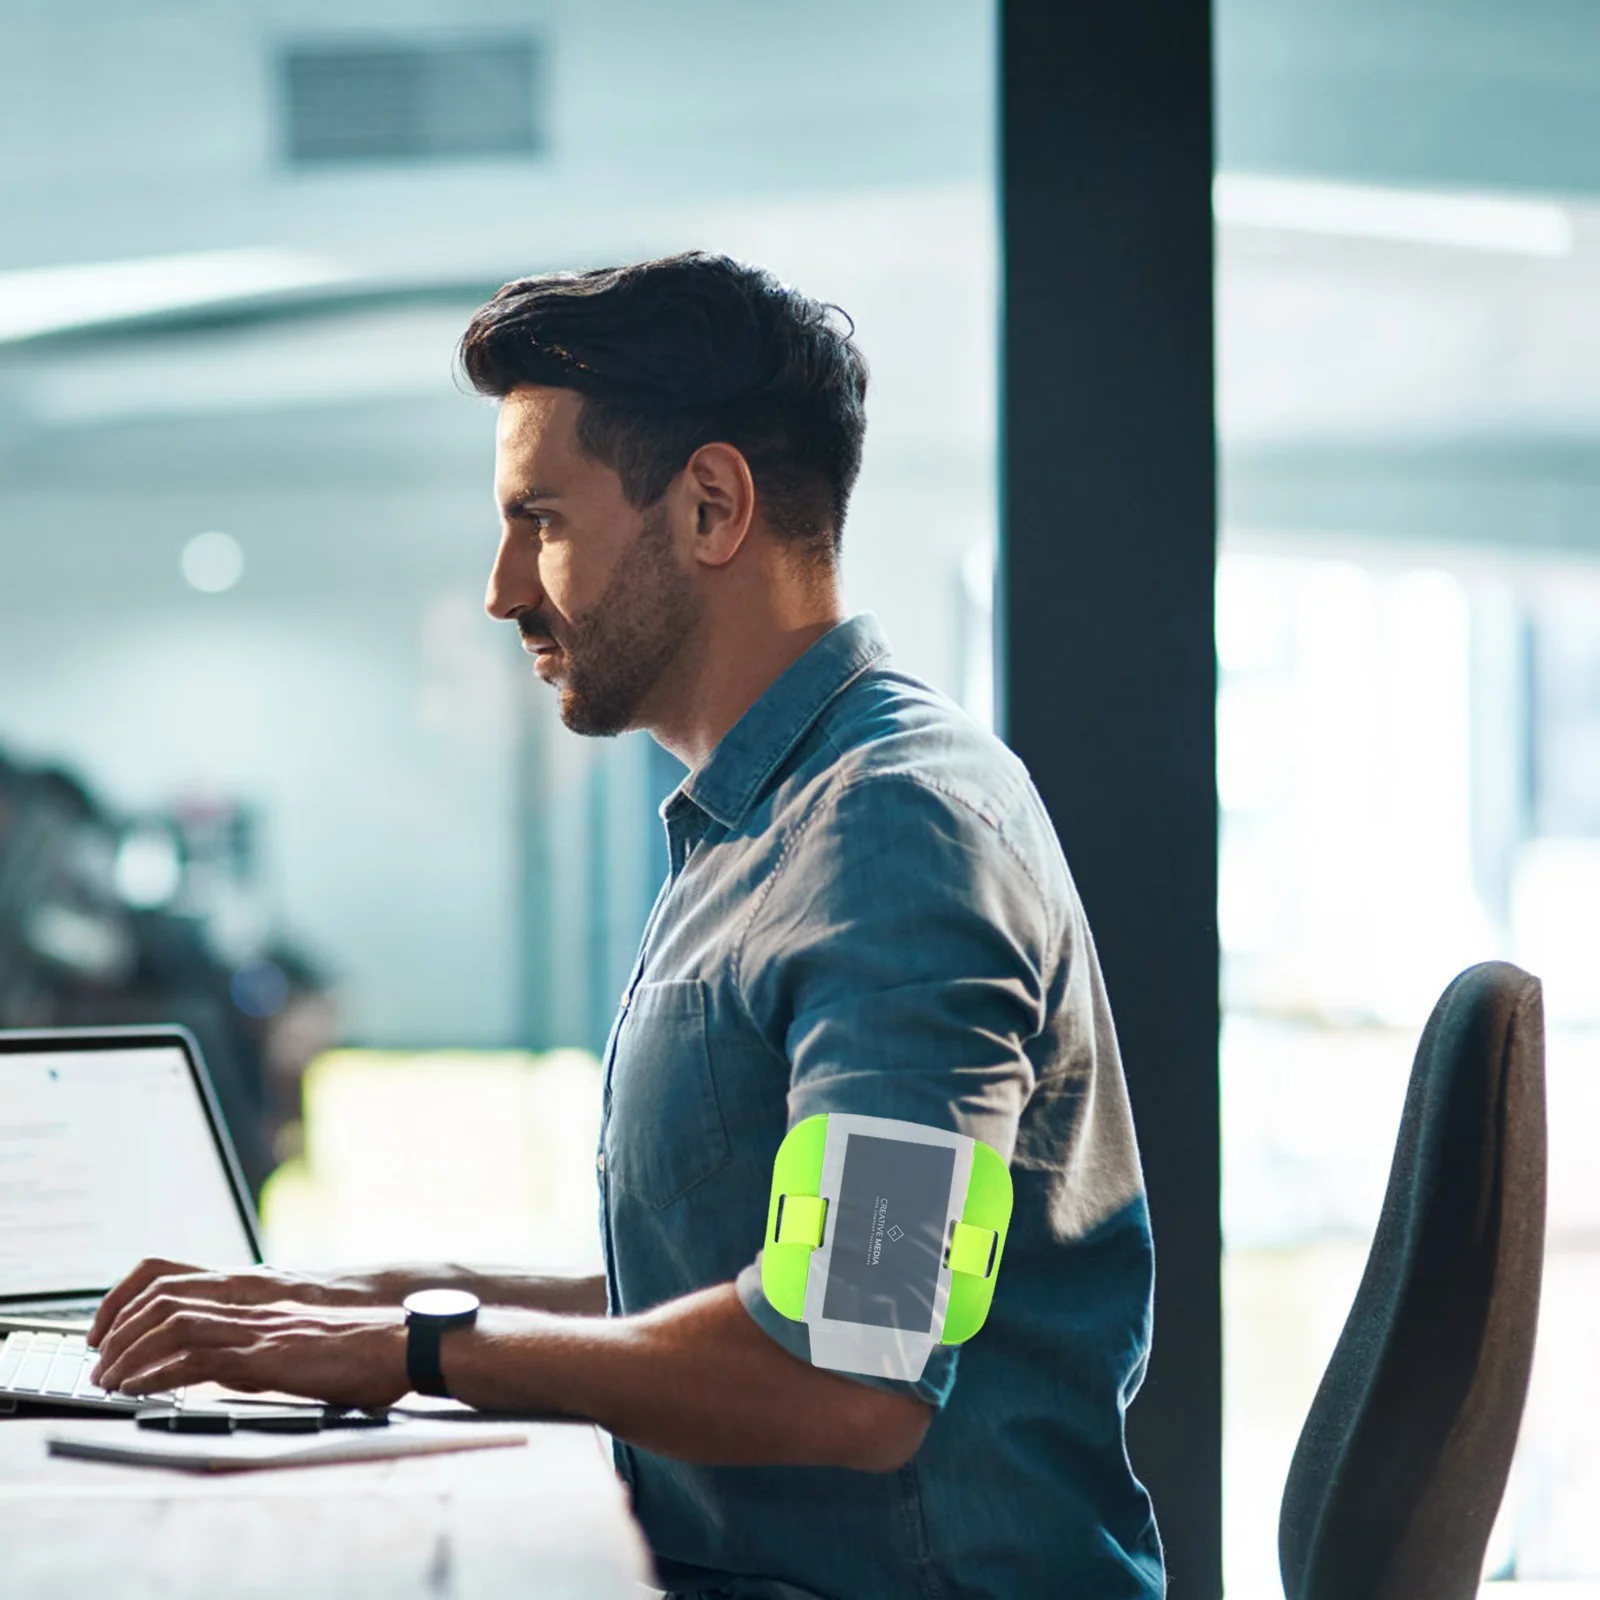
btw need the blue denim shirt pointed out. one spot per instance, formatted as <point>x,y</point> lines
<point>867,910</point>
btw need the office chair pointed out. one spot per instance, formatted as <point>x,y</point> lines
<point>1403,1458</point>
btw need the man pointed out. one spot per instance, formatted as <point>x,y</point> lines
<point>866,911</point>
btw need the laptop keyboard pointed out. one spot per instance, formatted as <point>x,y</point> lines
<point>54,1368</point>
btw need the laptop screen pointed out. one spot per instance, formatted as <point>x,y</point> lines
<point>107,1156</point>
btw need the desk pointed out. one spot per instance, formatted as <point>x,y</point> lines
<point>547,1520</point>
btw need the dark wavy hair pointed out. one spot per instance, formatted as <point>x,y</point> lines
<point>669,355</point>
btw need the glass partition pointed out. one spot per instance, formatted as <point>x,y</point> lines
<point>1409,704</point>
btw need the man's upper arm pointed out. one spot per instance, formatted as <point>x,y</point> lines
<point>898,960</point>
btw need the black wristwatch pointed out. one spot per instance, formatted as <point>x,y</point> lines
<point>430,1314</point>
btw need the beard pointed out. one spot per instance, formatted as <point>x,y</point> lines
<point>619,649</point>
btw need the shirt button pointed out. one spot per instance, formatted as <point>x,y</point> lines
<point>600,1163</point>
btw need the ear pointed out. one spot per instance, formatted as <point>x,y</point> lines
<point>721,502</point>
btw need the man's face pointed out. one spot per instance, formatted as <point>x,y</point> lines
<point>594,585</point>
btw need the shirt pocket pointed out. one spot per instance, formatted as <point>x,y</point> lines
<point>665,1133</point>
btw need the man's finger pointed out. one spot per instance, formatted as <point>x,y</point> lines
<point>182,1335</point>
<point>169,1323</point>
<point>188,1284</point>
<point>252,1287</point>
<point>147,1312</point>
<point>148,1270</point>
<point>162,1308</point>
<point>223,1365</point>
<point>134,1311</point>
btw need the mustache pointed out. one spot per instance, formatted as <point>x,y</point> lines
<point>535,625</point>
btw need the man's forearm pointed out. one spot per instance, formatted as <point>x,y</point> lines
<point>695,1379</point>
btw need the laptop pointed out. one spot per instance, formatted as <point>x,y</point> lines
<point>111,1149</point>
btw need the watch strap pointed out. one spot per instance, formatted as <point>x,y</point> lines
<point>424,1371</point>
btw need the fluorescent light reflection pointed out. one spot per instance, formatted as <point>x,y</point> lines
<point>45,300</point>
<point>1461,221</point>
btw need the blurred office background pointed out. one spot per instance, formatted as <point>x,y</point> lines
<point>269,768</point>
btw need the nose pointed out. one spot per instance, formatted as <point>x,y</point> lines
<point>513,581</point>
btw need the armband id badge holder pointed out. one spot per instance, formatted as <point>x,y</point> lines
<point>884,1238</point>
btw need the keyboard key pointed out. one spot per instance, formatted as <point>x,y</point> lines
<point>65,1371</point>
<point>11,1353</point>
<point>36,1364</point>
<point>56,1367</point>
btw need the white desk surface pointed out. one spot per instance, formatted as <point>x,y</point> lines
<point>548,1519</point>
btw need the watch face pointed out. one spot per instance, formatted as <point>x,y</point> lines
<point>441,1303</point>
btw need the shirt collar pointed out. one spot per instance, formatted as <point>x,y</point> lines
<point>727,783</point>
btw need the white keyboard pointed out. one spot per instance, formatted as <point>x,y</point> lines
<point>54,1368</point>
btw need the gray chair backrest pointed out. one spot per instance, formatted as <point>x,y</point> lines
<point>1402,1461</point>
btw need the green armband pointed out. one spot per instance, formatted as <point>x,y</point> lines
<point>884,1238</point>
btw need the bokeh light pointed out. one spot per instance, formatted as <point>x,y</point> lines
<point>212,562</point>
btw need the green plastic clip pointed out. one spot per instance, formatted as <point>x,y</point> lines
<point>800,1219</point>
<point>972,1249</point>
<point>977,1242</point>
<point>786,1254</point>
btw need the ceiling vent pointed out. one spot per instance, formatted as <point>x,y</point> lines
<point>384,101</point>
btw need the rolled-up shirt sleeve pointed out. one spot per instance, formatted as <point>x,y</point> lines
<point>898,960</point>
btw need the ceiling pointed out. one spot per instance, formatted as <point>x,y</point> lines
<point>1398,381</point>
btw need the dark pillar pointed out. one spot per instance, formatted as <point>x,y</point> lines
<point>1108,669</point>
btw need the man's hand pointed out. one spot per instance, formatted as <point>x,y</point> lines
<point>347,1357</point>
<point>252,1287</point>
<point>382,1286</point>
